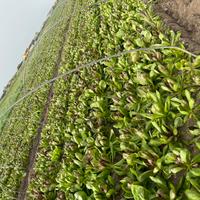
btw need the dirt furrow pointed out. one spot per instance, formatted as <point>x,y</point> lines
<point>183,16</point>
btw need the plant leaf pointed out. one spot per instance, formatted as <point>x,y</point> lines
<point>192,195</point>
<point>81,195</point>
<point>140,193</point>
<point>195,172</point>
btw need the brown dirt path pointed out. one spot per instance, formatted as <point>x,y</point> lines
<point>183,16</point>
<point>36,141</point>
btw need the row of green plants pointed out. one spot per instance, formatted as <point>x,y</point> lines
<point>29,68</point>
<point>40,187</point>
<point>21,127</point>
<point>12,93</point>
<point>127,128</point>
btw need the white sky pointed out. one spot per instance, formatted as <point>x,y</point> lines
<point>19,20</point>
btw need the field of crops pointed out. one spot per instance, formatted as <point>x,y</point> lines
<point>120,118</point>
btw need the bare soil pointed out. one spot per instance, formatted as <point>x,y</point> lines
<point>183,16</point>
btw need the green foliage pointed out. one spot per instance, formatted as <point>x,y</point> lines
<point>21,126</point>
<point>140,193</point>
<point>127,127</point>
